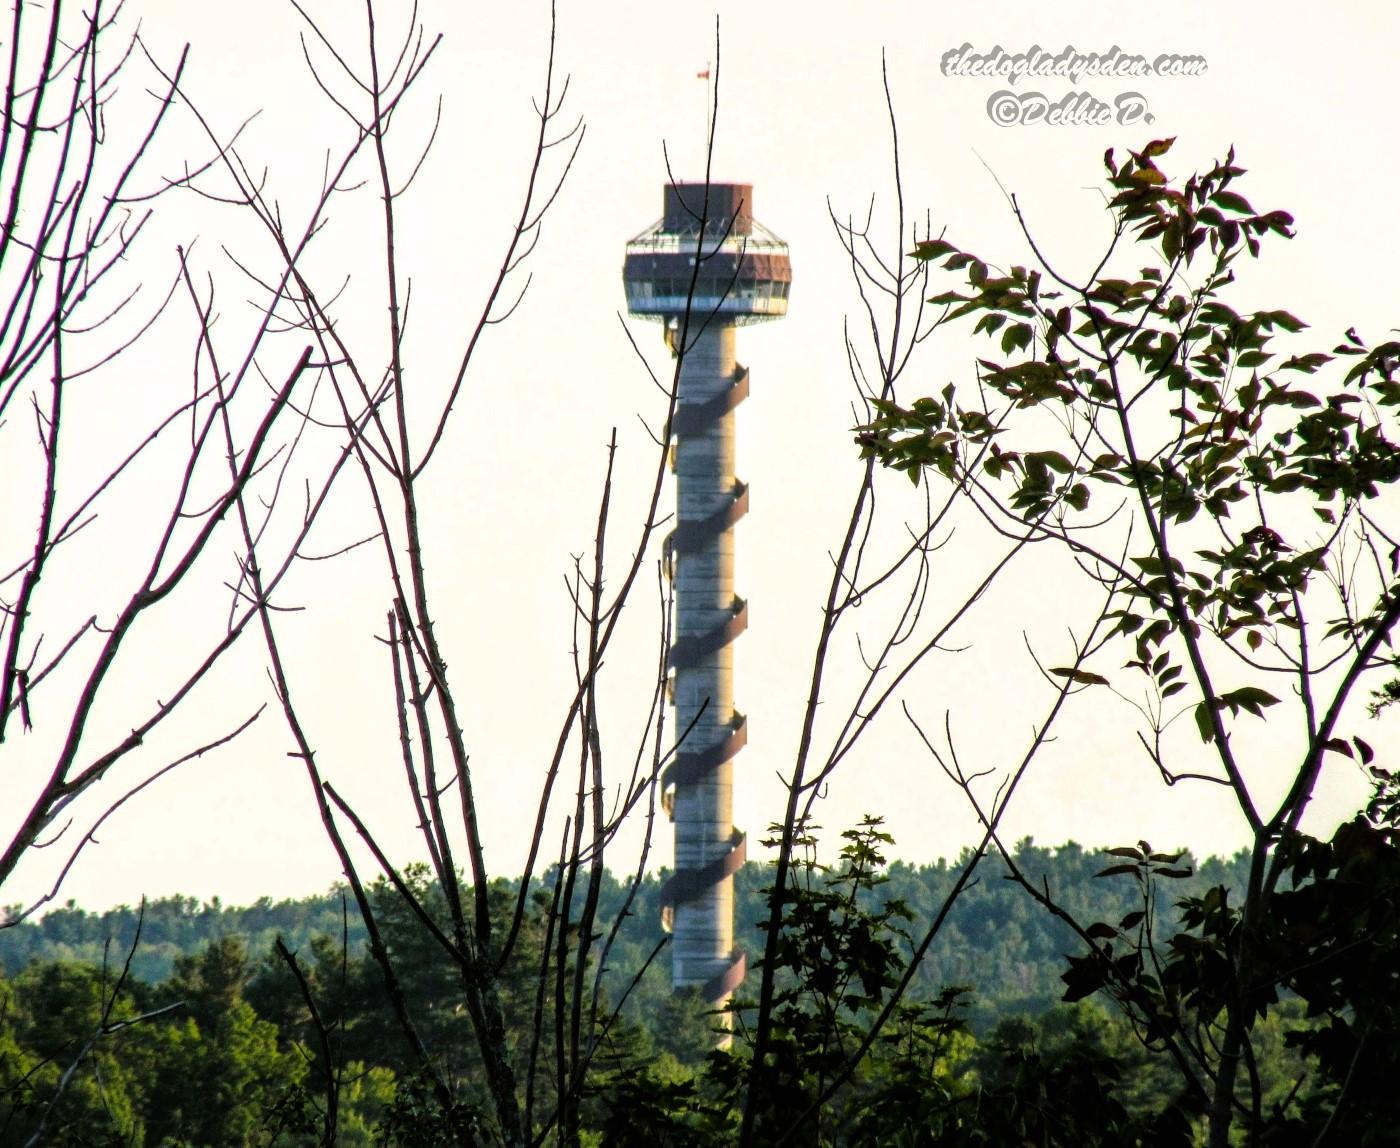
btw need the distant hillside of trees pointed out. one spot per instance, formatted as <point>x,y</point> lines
<point>211,1036</point>
<point>1006,949</point>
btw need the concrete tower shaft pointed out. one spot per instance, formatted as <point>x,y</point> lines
<point>705,268</point>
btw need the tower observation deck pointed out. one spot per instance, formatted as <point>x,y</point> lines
<point>704,269</point>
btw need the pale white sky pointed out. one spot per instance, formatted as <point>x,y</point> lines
<point>1303,93</point>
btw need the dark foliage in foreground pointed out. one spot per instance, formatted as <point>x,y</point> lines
<point>236,1031</point>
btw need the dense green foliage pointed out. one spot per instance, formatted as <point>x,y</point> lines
<point>90,1056</point>
<point>239,1035</point>
<point>995,939</point>
<point>301,1049</point>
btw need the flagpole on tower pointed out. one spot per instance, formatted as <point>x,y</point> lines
<point>709,103</point>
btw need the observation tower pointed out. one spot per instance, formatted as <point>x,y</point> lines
<point>706,268</point>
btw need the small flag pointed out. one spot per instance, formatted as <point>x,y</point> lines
<point>705,75</point>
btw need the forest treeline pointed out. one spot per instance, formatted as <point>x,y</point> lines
<point>996,941</point>
<point>206,1024</point>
